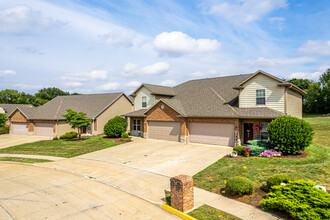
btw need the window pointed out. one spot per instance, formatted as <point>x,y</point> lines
<point>263,131</point>
<point>261,97</point>
<point>136,125</point>
<point>144,101</point>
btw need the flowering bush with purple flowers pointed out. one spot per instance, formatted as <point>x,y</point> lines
<point>270,153</point>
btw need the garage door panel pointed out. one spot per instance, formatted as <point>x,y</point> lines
<point>164,130</point>
<point>19,128</point>
<point>44,129</point>
<point>211,133</point>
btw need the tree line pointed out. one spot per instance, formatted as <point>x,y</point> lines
<point>10,96</point>
<point>317,99</point>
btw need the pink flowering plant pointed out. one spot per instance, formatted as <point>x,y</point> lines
<point>270,153</point>
<point>247,149</point>
<point>256,128</point>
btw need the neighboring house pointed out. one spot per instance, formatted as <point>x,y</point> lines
<point>47,120</point>
<point>8,108</point>
<point>223,111</point>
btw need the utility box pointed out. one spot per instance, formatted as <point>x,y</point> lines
<point>182,192</point>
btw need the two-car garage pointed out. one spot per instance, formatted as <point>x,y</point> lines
<point>204,133</point>
<point>40,129</point>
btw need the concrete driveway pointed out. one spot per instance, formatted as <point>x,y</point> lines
<point>142,169</point>
<point>8,140</point>
<point>144,166</point>
<point>29,192</point>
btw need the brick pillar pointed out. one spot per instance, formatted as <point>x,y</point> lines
<point>182,192</point>
<point>184,131</point>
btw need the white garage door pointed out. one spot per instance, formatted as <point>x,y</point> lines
<point>19,128</point>
<point>211,133</point>
<point>162,130</point>
<point>43,129</point>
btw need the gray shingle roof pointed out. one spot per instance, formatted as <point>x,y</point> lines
<point>9,108</point>
<point>91,104</point>
<point>213,97</point>
<point>157,90</point>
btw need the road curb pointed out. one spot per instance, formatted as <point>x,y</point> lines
<point>177,212</point>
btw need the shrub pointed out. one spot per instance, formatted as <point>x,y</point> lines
<point>124,135</point>
<point>55,138</point>
<point>299,199</point>
<point>290,134</point>
<point>69,135</point>
<point>277,179</point>
<point>4,130</point>
<point>240,185</point>
<point>115,127</point>
<point>239,150</point>
<point>257,147</point>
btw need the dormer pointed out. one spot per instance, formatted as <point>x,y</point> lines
<point>146,95</point>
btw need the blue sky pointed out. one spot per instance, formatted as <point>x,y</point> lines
<point>101,46</point>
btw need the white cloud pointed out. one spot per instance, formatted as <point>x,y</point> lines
<point>168,82</point>
<point>246,10</point>
<point>130,69</point>
<point>22,19</point>
<point>276,19</point>
<point>79,79</point>
<point>177,43</point>
<point>109,86</point>
<point>261,61</point>
<point>133,84</point>
<point>119,37</point>
<point>98,74</point>
<point>24,86</point>
<point>74,84</point>
<point>155,68</point>
<point>313,76</point>
<point>210,73</point>
<point>316,47</point>
<point>7,73</point>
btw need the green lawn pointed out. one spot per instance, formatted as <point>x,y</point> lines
<point>208,213</point>
<point>61,148</point>
<point>24,160</point>
<point>314,167</point>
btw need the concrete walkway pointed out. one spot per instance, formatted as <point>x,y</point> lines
<point>33,156</point>
<point>231,206</point>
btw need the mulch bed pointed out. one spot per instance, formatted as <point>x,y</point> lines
<point>254,199</point>
<point>302,155</point>
<point>118,140</point>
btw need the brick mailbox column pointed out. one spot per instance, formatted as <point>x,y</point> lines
<point>182,192</point>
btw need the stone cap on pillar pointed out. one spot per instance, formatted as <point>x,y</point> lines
<point>186,180</point>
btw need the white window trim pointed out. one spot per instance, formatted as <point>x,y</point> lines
<point>264,97</point>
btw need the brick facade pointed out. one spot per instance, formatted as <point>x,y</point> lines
<point>156,113</point>
<point>18,117</point>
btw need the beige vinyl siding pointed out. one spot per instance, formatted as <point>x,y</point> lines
<point>2,110</point>
<point>138,98</point>
<point>274,93</point>
<point>63,127</point>
<point>120,107</point>
<point>294,103</point>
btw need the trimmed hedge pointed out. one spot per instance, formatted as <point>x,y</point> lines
<point>69,135</point>
<point>300,199</point>
<point>277,179</point>
<point>290,134</point>
<point>115,127</point>
<point>4,130</point>
<point>124,135</point>
<point>239,149</point>
<point>240,185</point>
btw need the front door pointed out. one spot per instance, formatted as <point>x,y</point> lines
<point>248,132</point>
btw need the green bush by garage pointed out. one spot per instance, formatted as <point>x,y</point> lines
<point>115,127</point>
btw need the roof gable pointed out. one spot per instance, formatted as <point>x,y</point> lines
<point>156,90</point>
